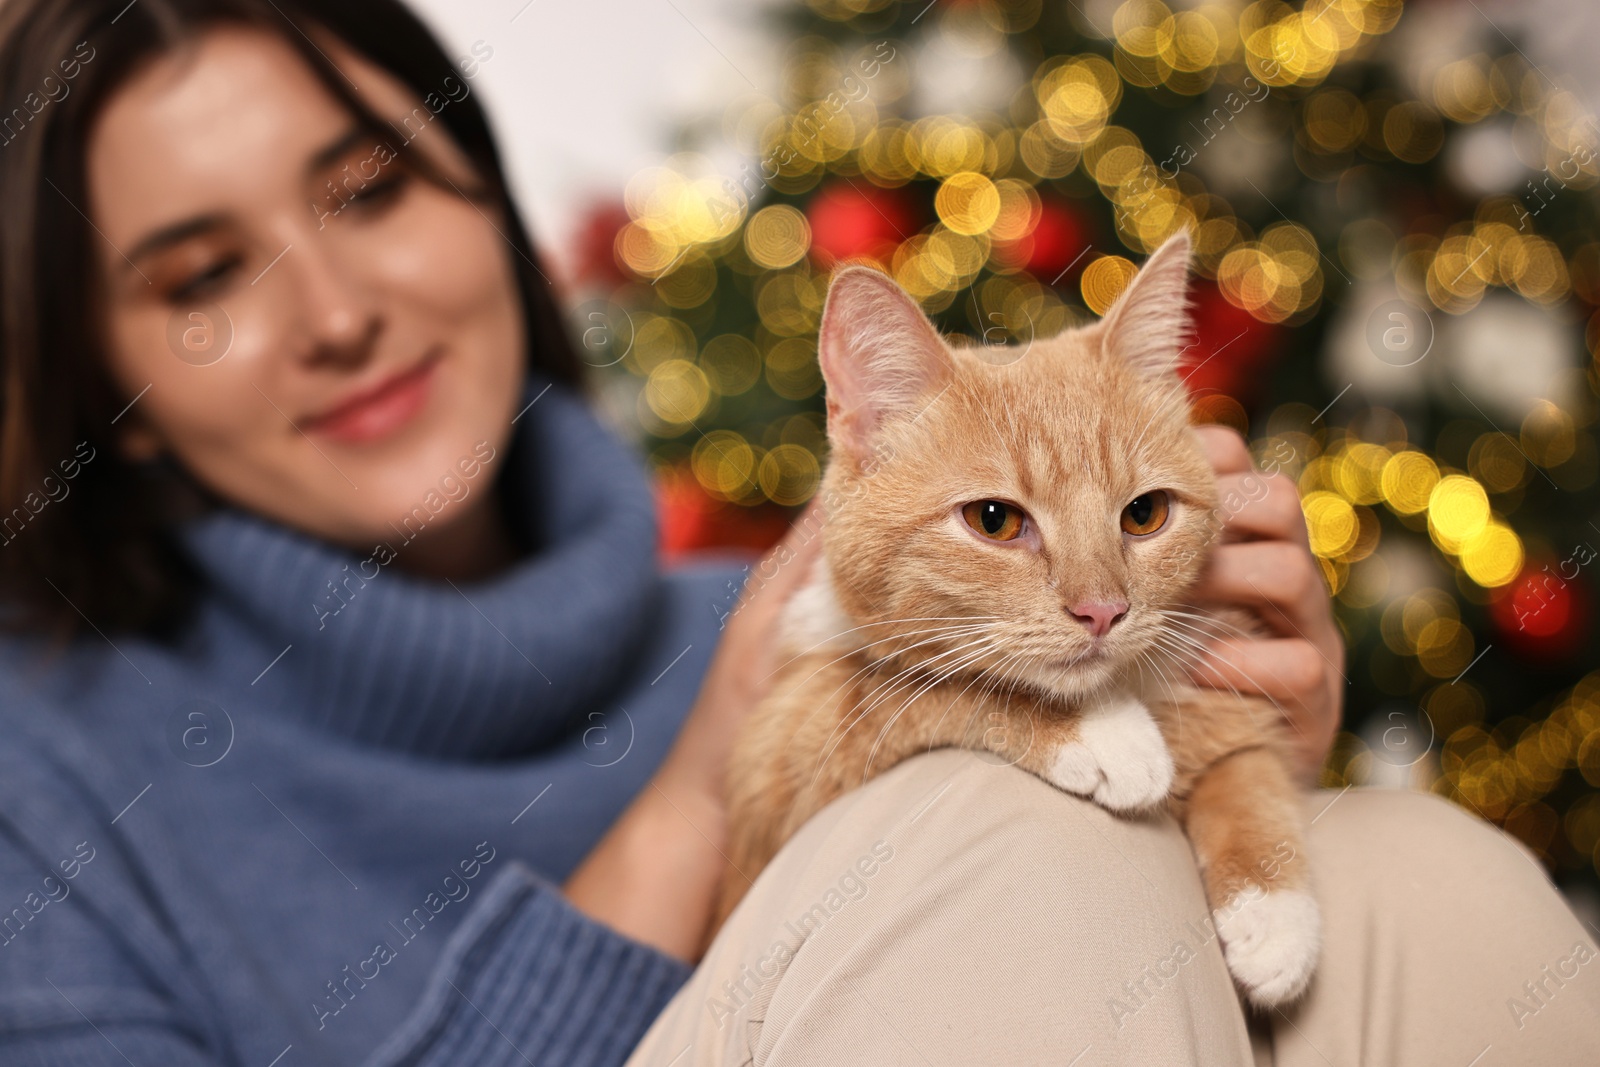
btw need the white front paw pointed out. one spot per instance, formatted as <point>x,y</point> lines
<point>1271,941</point>
<point>1120,758</point>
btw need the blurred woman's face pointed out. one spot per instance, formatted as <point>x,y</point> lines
<point>370,331</point>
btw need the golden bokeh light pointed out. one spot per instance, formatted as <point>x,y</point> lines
<point>1103,281</point>
<point>777,236</point>
<point>1464,92</point>
<point>1334,120</point>
<point>1497,461</point>
<point>1412,132</point>
<point>1408,481</point>
<point>788,475</point>
<point>656,339</point>
<point>967,202</point>
<point>792,369</point>
<point>1458,509</point>
<point>676,393</point>
<point>1019,210</point>
<point>1493,556</point>
<point>724,463</point>
<point>1548,435</point>
<point>732,364</point>
<point>1331,522</point>
<point>1078,96</point>
<point>1444,647</point>
<point>789,303</point>
<point>1358,472</point>
<point>689,282</point>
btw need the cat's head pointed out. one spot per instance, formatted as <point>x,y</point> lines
<point>1047,509</point>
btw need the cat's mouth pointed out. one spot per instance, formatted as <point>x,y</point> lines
<point>1073,676</point>
<point>1095,654</point>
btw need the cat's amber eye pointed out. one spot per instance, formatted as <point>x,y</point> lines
<point>1146,514</point>
<point>994,519</point>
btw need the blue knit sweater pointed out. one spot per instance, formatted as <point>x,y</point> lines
<point>325,825</point>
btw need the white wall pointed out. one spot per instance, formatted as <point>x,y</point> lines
<point>584,94</point>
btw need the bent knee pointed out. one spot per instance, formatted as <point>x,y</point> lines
<point>961,822</point>
<point>1093,921</point>
<point>1397,836</point>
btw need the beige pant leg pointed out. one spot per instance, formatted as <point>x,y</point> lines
<point>957,912</point>
<point>1444,944</point>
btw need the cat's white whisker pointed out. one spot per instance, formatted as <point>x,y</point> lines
<point>1201,652</point>
<point>953,634</point>
<point>1198,639</point>
<point>868,707</point>
<point>1145,657</point>
<point>980,676</point>
<point>961,634</point>
<point>957,622</point>
<point>903,678</point>
<point>976,677</point>
<point>1174,614</point>
<point>990,678</point>
<point>896,622</point>
<point>1005,674</point>
<point>1197,634</point>
<point>940,632</point>
<point>944,675</point>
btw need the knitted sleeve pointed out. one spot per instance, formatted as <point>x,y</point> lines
<point>530,979</point>
<point>525,978</point>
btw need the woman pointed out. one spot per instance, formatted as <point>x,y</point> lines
<point>337,636</point>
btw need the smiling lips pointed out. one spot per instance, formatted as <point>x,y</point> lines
<point>380,411</point>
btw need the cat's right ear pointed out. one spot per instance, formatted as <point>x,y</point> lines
<point>880,356</point>
<point>1149,323</point>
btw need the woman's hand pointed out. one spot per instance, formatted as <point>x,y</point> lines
<point>656,874</point>
<point>1263,563</point>
<point>741,669</point>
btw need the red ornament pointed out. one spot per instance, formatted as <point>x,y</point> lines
<point>1543,614</point>
<point>594,261</point>
<point>850,220</point>
<point>1058,240</point>
<point>1231,347</point>
<point>693,521</point>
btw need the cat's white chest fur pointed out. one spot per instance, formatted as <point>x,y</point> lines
<point>813,618</point>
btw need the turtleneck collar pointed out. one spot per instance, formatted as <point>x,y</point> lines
<point>454,670</point>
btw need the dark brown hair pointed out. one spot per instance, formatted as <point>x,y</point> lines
<point>91,541</point>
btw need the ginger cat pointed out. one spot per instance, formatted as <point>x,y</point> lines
<point>1011,540</point>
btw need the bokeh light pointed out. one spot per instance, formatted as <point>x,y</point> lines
<point>1010,166</point>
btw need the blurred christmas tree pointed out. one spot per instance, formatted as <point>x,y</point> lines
<point>1395,225</point>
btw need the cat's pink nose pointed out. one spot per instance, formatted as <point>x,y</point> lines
<point>1099,618</point>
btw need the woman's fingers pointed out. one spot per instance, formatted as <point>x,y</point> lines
<point>748,650</point>
<point>741,669</point>
<point>1301,667</point>
<point>1289,670</point>
<point>1225,449</point>
<point>1293,673</point>
<point>1258,505</point>
<point>775,579</point>
<point>1252,503</point>
<point>1277,580</point>
<point>1263,564</point>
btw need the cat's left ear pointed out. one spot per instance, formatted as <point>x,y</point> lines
<point>1149,324</point>
<point>881,357</point>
